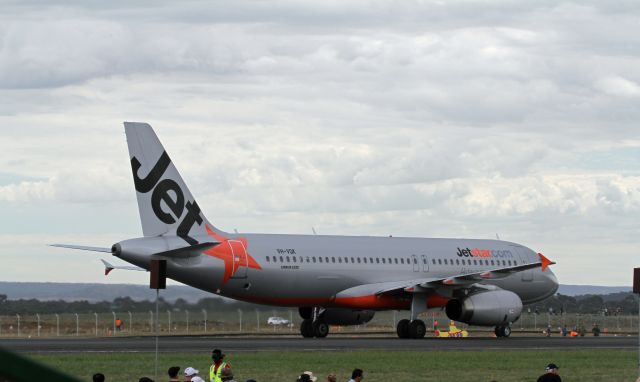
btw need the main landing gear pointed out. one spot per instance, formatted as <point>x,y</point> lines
<point>502,331</point>
<point>414,328</point>
<point>411,329</point>
<point>312,325</point>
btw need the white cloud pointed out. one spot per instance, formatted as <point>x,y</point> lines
<point>420,118</point>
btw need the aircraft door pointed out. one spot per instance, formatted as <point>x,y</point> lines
<point>416,266</point>
<point>425,263</point>
<point>240,259</point>
<point>520,254</point>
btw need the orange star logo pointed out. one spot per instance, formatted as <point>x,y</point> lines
<point>233,252</point>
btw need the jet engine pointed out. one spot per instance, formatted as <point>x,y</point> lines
<point>337,316</point>
<point>486,308</point>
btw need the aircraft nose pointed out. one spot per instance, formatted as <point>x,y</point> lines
<point>551,280</point>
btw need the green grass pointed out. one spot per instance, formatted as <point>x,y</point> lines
<point>397,366</point>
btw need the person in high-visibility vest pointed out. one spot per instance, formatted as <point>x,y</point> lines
<point>216,367</point>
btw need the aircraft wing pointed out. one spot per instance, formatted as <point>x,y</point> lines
<point>468,279</point>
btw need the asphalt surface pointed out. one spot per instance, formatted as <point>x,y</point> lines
<point>335,343</point>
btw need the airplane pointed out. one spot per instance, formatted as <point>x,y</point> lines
<point>332,280</point>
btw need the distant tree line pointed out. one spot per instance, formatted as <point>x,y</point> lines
<point>613,304</point>
<point>120,304</point>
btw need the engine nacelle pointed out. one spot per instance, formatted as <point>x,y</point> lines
<point>338,316</point>
<point>490,308</point>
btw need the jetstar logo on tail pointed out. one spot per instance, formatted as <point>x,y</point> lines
<point>161,193</point>
<point>233,252</point>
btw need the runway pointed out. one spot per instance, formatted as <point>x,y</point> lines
<point>335,343</point>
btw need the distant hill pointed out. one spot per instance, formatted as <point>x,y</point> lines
<point>577,290</point>
<point>96,292</point>
<point>108,292</point>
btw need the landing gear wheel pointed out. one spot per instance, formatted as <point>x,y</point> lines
<point>306,328</point>
<point>305,312</point>
<point>403,328</point>
<point>417,329</point>
<point>320,328</point>
<point>502,331</point>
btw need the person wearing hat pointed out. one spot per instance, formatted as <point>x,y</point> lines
<point>217,366</point>
<point>191,374</point>
<point>226,375</point>
<point>307,376</point>
<point>551,374</point>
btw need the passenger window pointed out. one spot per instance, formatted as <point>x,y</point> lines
<point>395,260</point>
<point>433,261</point>
<point>282,261</point>
<point>364,259</point>
<point>475,262</point>
<point>486,262</point>
<point>288,259</point>
<point>445,262</point>
<point>353,260</point>
<point>293,258</point>
<point>320,259</point>
<point>326,259</point>
<point>340,260</point>
<point>389,260</point>
<point>371,260</point>
<point>333,259</point>
<point>492,262</point>
<point>440,261</point>
<point>402,260</point>
<point>358,260</point>
<point>377,260</point>
<point>504,263</point>
<point>383,261</point>
<point>314,259</point>
<point>424,261</point>
<point>268,261</point>
<point>457,261</point>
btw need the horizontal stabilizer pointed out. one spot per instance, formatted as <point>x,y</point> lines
<point>108,267</point>
<point>82,247</point>
<point>190,251</point>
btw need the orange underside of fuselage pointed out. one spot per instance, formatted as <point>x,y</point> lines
<point>370,302</point>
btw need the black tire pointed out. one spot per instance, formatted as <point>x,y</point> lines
<point>506,331</point>
<point>497,331</point>
<point>403,329</point>
<point>306,329</point>
<point>305,312</point>
<point>320,328</point>
<point>417,329</point>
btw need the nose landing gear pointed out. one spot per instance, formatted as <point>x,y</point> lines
<point>502,331</point>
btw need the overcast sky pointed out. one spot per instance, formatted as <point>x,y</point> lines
<point>411,118</point>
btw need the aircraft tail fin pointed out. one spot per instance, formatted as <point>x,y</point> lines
<point>165,203</point>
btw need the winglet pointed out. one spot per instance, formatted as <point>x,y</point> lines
<point>544,261</point>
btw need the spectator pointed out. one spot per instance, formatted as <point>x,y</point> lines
<point>356,375</point>
<point>217,366</point>
<point>98,377</point>
<point>331,377</point>
<point>145,379</point>
<point>173,373</point>
<point>595,330</point>
<point>226,375</point>
<point>191,374</point>
<point>550,374</point>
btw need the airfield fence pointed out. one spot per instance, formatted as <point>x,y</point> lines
<point>248,322</point>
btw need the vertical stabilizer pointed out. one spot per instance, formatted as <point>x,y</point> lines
<point>165,203</point>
